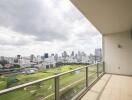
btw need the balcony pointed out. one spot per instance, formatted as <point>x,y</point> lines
<point>113,18</point>
<point>111,87</point>
<point>93,82</point>
<point>65,86</point>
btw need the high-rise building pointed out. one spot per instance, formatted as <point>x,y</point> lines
<point>32,57</point>
<point>64,54</point>
<point>39,59</point>
<point>56,57</point>
<point>98,52</point>
<point>52,54</point>
<point>83,54</point>
<point>2,58</point>
<point>18,56</point>
<point>72,54</point>
<point>46,55</point>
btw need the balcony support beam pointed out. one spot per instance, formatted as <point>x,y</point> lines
<point>57,96</point>
<point>87,77</point>
<point>97,70</point>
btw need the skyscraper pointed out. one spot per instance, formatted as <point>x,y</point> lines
<point>32,57</point>
<point>72,54</point>
<point>46,55</point>
<point>64,54</point>
<point>98,52</point>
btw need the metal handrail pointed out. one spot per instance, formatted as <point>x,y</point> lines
<point>56,77</point>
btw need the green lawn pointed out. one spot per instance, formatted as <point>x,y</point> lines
<point>24,78</point>
<point>43,89</point>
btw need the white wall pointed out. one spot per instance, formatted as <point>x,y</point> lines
<point>115,57</point>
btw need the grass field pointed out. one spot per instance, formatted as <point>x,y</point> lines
<point>42,90</point>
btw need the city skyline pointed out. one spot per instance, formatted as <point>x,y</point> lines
<point>50,60</point>
<point>69,53</point>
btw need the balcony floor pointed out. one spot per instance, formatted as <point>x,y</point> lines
<point>111,87</point>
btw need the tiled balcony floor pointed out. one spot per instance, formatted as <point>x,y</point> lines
<point>111,87</point>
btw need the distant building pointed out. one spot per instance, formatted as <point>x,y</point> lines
<point>39,59</point>
<point>91,59</point>
<point>46,55</point>
<point>98,54</point>
<point>18,56</point>
<point>2,58</point>
<point>56,57</point>
<point>11,60</point>
<point>25,62</point>
<point>32,58</point>
<point>48,63</point>
<point>64,57</point>
<point>72,54</point>
<point>64,54</point>
<point>52,55</point>
<point>79,57</point>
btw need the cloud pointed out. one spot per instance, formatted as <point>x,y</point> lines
<point>46,19</point>
<point>39,26</point>
<point>8,37</point>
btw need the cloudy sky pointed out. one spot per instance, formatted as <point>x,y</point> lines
<point>38,26</point>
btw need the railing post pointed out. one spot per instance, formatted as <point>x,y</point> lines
<point>103,67</point>
<point>57,96</point>
<point>97,70</point>
<point>87,77</point>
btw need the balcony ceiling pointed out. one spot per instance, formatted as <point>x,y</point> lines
<point>108,16</point>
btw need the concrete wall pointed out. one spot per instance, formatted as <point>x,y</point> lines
<point>118,53</point>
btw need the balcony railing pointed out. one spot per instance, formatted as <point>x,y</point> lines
<point>64,86</point>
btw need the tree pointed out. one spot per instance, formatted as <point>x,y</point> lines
<point>16,66</point>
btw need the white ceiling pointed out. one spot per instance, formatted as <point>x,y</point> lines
<point>108,16</point>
